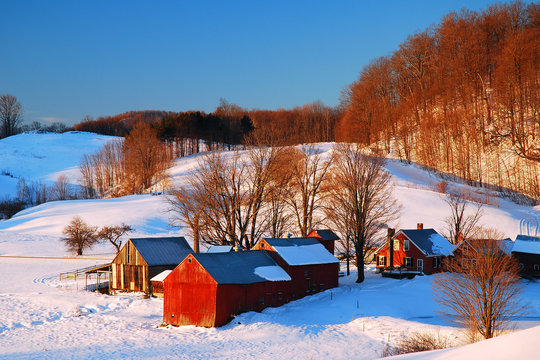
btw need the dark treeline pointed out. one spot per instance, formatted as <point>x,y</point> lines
<point>462,97</point>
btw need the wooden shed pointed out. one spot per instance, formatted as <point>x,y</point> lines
<point>326,237</point>
<point>209,289</point>
<point>140,259</point>
<point>311,266</point>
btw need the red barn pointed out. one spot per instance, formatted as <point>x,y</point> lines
<point>412,252</point>
<point>526,249</point>
<point>311,267</point>
<point>208,289</point>
<point>326,237</point>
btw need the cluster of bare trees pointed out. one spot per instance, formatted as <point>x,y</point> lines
<point>126,167</point>
<point>79,236</point>
<point>236,198</point>
<point>10,115</point>
<point>461,97</point>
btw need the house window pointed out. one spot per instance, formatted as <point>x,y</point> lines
<point>408,261</point>
<point>536,267</point>
<point>396,245</point>
<point>189,260</point>
<point>420,264</point>
<point>262,245</point>
<point>382,261</point>
<point>306,273</point>
<point>435,262</point>
<point>406,245</point>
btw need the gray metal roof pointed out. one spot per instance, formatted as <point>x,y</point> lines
<point>219,248</point>
<point>429,241</point>
<point>235,267</point>
<point>162,250</point>
<point>327,234</point>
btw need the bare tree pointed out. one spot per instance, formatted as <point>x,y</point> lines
<point>113,234</point>
<point>187,207</point>
<point>462,223</point>
<point>10,115</point>
<point>79,235</point>
<point>61,189</point>
<point>308,175</point>
<point>481,295</point>
<point>360,199</point>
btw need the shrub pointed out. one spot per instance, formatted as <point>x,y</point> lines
<point>416,342</point>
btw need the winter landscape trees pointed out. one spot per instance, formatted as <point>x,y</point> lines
<point>11,115</point>
<point>481,289</point>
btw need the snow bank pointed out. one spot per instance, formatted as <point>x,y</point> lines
<point>272,273</point>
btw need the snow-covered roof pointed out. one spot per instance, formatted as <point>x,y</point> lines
<point>161,276</point>
<point>527,244</point>
<point>242,267</point>
<point>430,242</point>
<point>162,250</point>
<point>302,251</point>
<point>272,273</point>
<point>219,248</point>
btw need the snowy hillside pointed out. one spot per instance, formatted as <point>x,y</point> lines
<point>43,317</point>
<point>44,157</point>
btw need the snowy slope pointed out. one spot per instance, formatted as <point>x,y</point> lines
<point>42,317</point>
<point>44,157</point>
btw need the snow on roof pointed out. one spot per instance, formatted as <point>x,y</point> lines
<point>161,276</point>
<point>430,242</point>
<point>272,273</point>
<point>239,267</point>
<point>302,251</point>
<point>219,248</point>
<point>162,250</point>
<point>527,244</point>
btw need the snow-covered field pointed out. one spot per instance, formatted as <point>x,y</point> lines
<point>42,317</point>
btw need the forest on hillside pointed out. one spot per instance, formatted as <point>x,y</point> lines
<point>461,97</point>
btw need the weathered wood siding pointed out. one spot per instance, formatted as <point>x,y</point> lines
<point>129,270</point>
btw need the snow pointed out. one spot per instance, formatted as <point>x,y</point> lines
<point>161,276</point>
<point>441,246</point>
<point>527,246</point>
<point>43,317</point>
<point>219,248</point>
<point>272,273</point>
<point>305,254</point>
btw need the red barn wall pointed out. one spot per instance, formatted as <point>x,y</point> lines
<point>190,296</point>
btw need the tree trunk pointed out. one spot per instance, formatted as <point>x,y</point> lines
<point>360,265</point>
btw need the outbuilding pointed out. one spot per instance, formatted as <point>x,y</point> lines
<point>526,250</point>
<point>311,266</point>
<point>140,259</point>
<point>326,237</point>
<point>209,289</point>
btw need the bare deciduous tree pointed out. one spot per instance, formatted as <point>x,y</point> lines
<point>481,290</point>
<point>79,235</point>
<point>113,234</point>
<point>187,207</point>
<point>360,199</point>
<point>462,223</point>
<point>306,187</point>
<point>10,115</point>
<point>61,189</point>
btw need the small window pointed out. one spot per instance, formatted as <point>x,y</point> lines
<point>382,261</point>
<point>189,260</point>
<point>420,264</point>
<point>521,266</point>
<point>435,262</point>
<point>408,261</point>
<point>280,295</point>
<point>406,245</point>
<point>261,300</point>
<point>306,273</point>
<point>262,245</point>
<point>536,267</point>
<point>396,245</point>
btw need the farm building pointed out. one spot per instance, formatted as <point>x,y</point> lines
<point>410,252</point>
<point>311,266</point>
<point>526,250</point>
<point>466,251</point>
<point>219,248</point>
<point>208,289</point>
<point>157,283</point>
<point>140,259</point>
<point>326,237</point>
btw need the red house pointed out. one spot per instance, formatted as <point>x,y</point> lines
<point>310,265</point>
<point>208,289</point>
<point>411,252</point>
<point>526,249</point>
<point>326,237</point>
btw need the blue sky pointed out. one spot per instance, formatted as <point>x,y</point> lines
<point>67,59</point>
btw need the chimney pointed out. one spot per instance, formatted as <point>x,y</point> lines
<point>390,247</point>
<point>420,226</point>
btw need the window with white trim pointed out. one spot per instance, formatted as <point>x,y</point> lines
<point>396,245</point>
<point>381,261</point>
<point>420,264</point>
<point>406,245</point>
<point>408,261</point>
